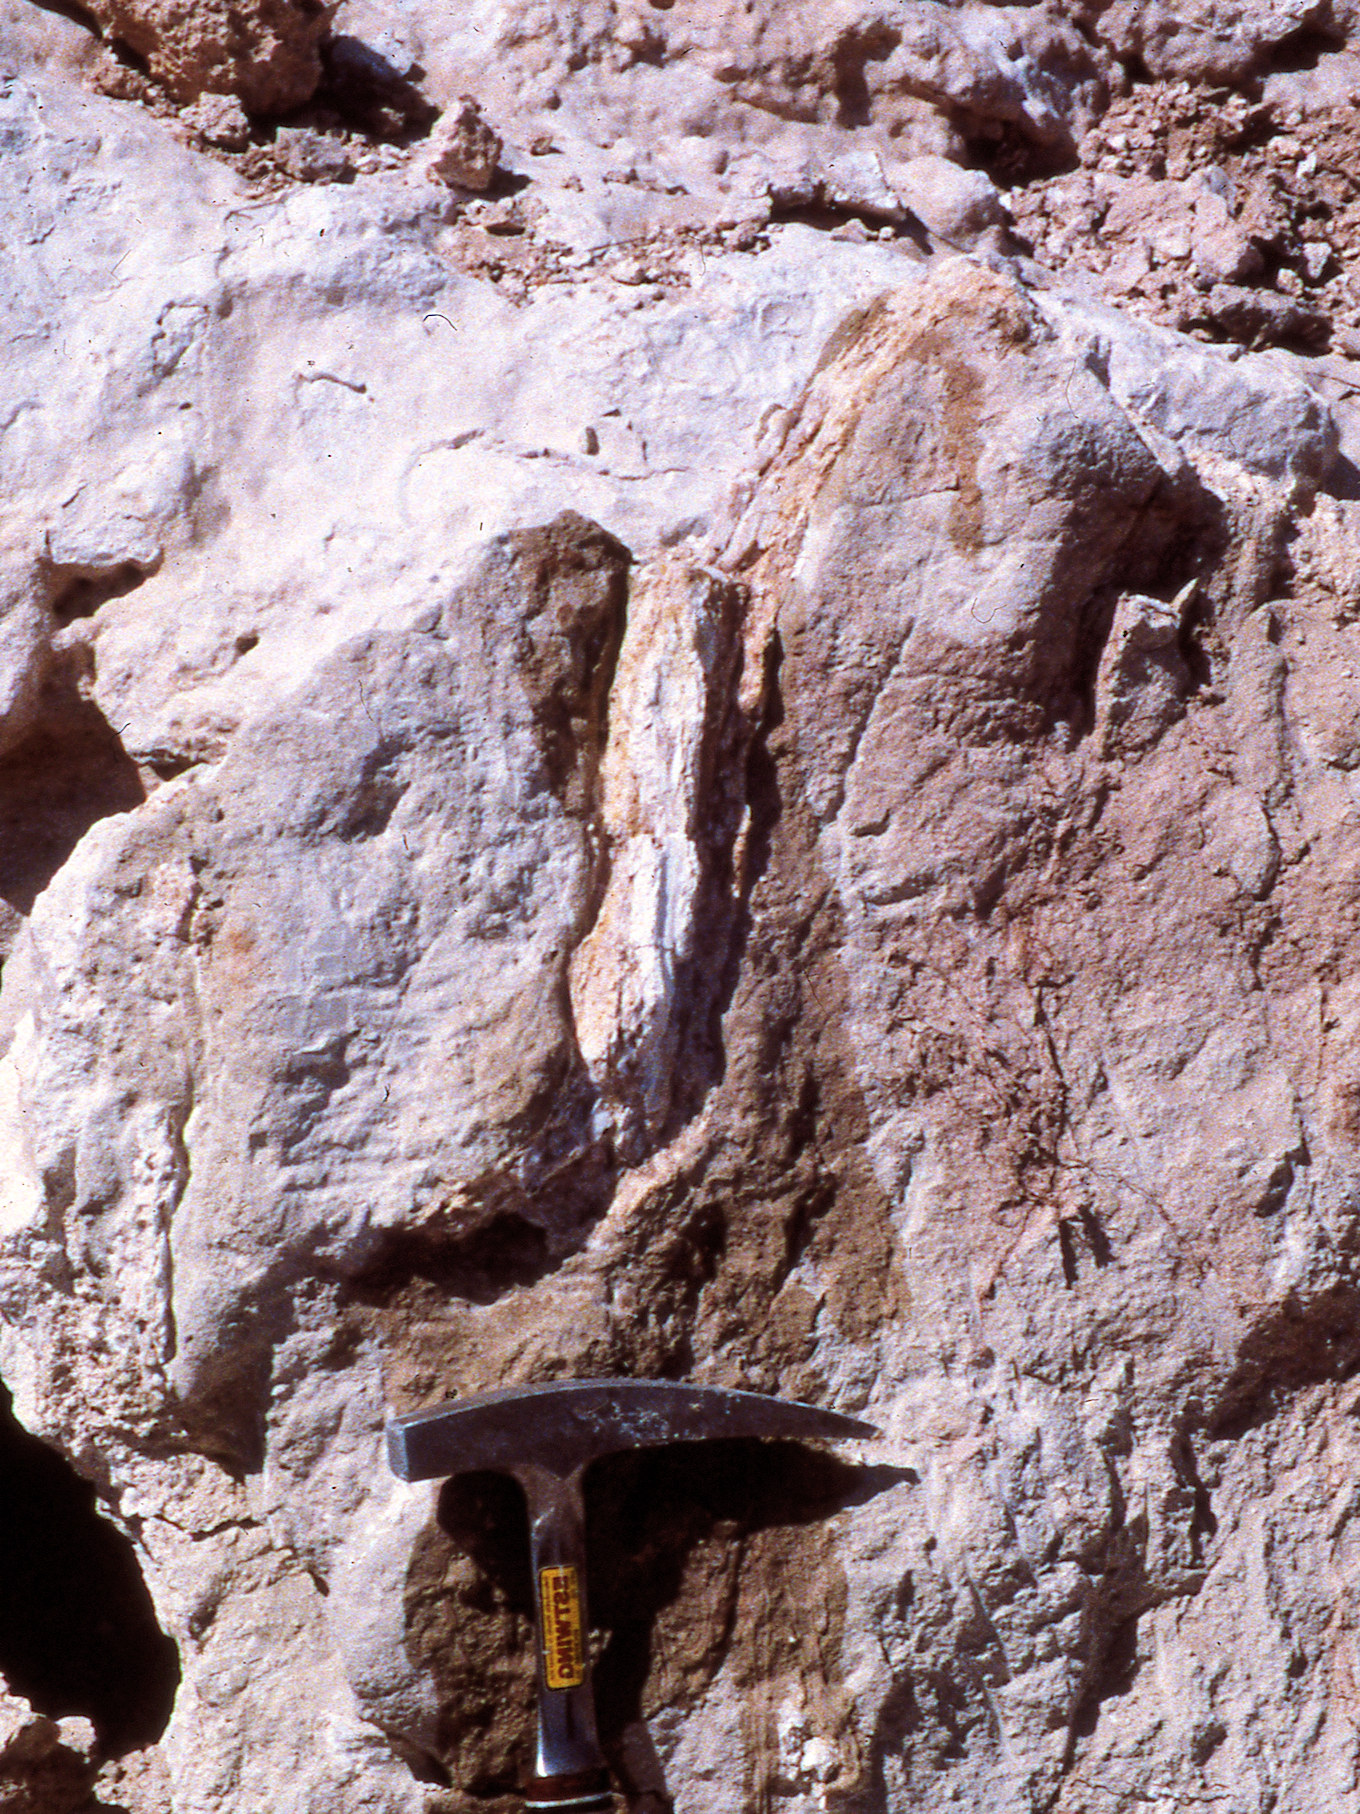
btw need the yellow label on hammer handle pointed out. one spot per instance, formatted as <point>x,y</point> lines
<point>564,1657</point>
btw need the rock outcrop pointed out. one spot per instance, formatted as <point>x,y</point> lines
<point>266,53</point>
<point>45,1767</point>
<point>671,725</point>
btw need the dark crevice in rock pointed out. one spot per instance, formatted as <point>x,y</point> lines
<point>899,1716</point>
<point>475,1256</point>
<point>69,9</point>
<point>504,184</point>
<point>1179,533</point>
<point>856,48</point>
<point>1125,1595</point>
<point>1192,643</point>
<point>1137,71</point>
<point>1096,1238</point>
<point>364,92</point>
<point>761,792</point>
<point>748,863</point>
<point>78,1634</point>
<point>1343,480</point>
<point>1302,1344</point>
<point>70,772</point>
<point>84,593</point>
<point>1096,621</point>
<point>1067,1247</point>
<point>704,980</point>
<point>1203,1520</point>
<point>813,208</point>
<point>1303,49</point>
<point>1121,1594</point>
<point>479,1266</point>
<point>1113,1678</point>
<point>129,57</point>
<point>1260,317</point>
<point>165,764</point>
<point>1010,155</point>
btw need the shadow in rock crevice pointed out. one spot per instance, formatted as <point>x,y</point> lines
<point>1301,1343</point>
<point>478,1258</point>
<point>70,9</point>
<point>1300,50</point>
<point>78,1634</point>
<point>367,93</point>
<point>68,773</point>
<point>503,1254</point>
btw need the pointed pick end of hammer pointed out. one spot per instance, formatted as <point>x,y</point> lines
<point>562,1425</point>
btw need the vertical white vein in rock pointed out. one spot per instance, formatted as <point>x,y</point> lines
<point>664,814</point>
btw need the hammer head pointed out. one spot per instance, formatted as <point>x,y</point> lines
<point>558,1428</point>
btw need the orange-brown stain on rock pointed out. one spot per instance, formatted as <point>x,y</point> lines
<point>704,1560</point>
<point>720,1560</point>
<point>468,1627</point>
<point>770,1234</point>
<point>962,387</point>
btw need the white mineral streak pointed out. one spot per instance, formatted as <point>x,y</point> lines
<point>674,741</point>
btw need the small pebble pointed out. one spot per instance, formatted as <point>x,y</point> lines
<point>1315,257</point>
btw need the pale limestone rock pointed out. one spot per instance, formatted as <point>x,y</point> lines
<point>138,1781</point>
<point>218,119</point>
<point>958,205</point>
<point>439,450</point>
<point>1221,249</point>
<point>1143,674</point>
<point>307,154</point>
<point>533,912</point>
<point>34,38</point>
<point>25,647</point>
<point>1208,41</point>
<point>464,150</point>
<point>729,100</point>
<point>927,827</point>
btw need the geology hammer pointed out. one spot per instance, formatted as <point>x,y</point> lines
<point>546,1436</point>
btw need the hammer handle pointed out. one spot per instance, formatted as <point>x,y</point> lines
<point>570,1774</point>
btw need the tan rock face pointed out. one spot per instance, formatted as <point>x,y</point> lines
<point>1034,946</point>
<point>779,811</point>
<point>266,52</point>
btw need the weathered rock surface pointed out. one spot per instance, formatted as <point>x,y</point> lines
<point>639,735</point>
<point>464,149</point>
<point>265,52</point>
<point>46,1766</point>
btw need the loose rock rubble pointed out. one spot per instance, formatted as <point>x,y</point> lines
<point>1230,219</point>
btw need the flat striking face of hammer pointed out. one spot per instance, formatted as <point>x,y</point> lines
<point>545,1436</point>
